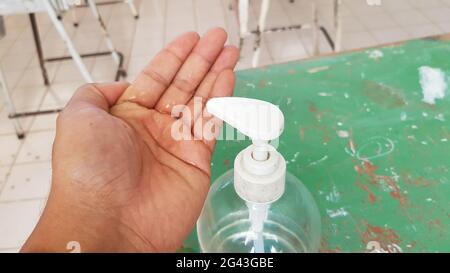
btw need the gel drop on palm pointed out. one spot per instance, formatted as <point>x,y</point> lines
<point>257,207</point>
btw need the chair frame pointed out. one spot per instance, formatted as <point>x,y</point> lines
<point>243,10</point>
<point>73,54</point>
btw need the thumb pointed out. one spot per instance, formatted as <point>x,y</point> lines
<point>101,95</point>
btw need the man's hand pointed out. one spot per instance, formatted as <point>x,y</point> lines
<point>121,182</point>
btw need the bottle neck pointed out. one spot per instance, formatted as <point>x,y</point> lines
<point>260,150</point>
<point>259,181</point>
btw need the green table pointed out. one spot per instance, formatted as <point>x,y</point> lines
<point>375,157</point>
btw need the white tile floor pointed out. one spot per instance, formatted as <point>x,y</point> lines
<point>25,168</point>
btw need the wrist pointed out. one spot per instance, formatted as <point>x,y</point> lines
<point>73,226</point>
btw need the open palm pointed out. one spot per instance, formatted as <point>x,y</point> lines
<point>114,152</point>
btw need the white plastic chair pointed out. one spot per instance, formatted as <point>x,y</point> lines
<point>53,8</point>
<point>243,11</point>
<point>130,3</point>
<point>337,26</point>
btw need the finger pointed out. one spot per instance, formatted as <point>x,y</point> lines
<point>210,127</point>
<point>193,70</point>
<point>226,61</point>
<point>207,127</point>
<point>112,91</point>
<point>224,84</point>
<point>100,95</point>
<point>154,79</point>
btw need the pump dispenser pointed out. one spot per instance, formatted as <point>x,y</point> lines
<point>247,208</point>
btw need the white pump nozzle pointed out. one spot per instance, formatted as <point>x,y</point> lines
<point>259,169</point>
<point>261,121</point>
<point>257,119</point>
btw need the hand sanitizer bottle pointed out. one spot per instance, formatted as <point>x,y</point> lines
<point>257,207</point>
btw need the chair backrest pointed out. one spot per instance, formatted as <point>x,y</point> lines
<point>31,6</point>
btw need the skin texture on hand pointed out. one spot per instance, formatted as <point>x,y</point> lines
<point>120,181</point>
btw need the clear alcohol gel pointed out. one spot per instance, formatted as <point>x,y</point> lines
<point>257,207</point>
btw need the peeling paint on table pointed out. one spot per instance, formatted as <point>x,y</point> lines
<point>358,134</point>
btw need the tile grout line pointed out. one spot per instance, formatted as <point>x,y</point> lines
<point>27,66</point>
<point>14,41</point>
<point>39,161</point>
<point>428,19</point>
<point>364,27</point>
<point>194,14</point>
<point>22,142</point>
<point>10,248</point>
<point>297,33</point>
<point>165,12</point>
<point>11,166</point>
<point>30,131</point>
<point>23,200</point>
<point>397,25</point>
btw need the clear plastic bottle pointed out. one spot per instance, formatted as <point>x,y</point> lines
<point>258,206</point>
<point>290,224</point>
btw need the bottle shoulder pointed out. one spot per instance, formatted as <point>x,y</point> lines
<point>294,187</point>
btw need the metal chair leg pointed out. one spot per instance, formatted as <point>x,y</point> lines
<point>337,26</point>
<point>243,17</point>
<point>108,41</point>
<point>74,14</point>
<point>37,42</point>
<point>68,42</point>
<point>315,29</point>
<point>230,4</point>
<point>117,57</point>
<point>243,21</point>
<point>133,8</point>
<point>260,29</point>
<point>10,107</point>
